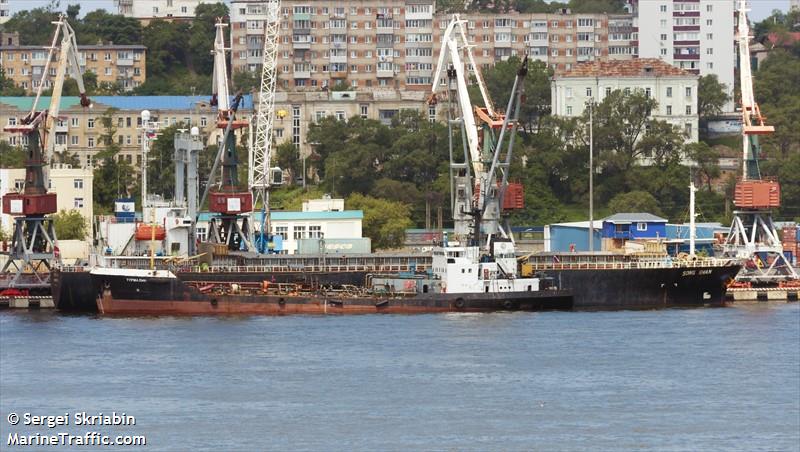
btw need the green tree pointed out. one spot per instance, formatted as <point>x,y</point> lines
<point>113,177</point>
<point>70,225</point>
<point>288,159</point>
<point>246,81</point>
<point>11,156</point>
<point>707,160</point>
<point>385,221</point>
<point>711,96</point>
<point>634,202</point>
<point>101,26</point>
<point>201,36</point>
<point>500,79</point>
<point>35,25</point>
<point>8,87</point>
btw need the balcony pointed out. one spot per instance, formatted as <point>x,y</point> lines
<point>385,73</point>
<point>301,16</point>
<point>306,73</point>
<point>124,61</point>
<point>301,44</point>
<point>338,58</point>
<point>62,128</point>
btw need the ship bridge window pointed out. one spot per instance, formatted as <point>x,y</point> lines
<point>451,261</point>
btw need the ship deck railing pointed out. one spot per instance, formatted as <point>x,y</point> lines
<point>302,268</point>
<point>616,265</point>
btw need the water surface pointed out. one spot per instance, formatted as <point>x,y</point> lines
<point>700,379</point>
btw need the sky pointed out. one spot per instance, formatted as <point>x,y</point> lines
<point>760,8</point>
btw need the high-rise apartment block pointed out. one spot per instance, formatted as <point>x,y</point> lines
<point>5,11</point>
<point>394,44</point>
<point>123,64</point>
<point>695,35</point>
<point>146,10</point>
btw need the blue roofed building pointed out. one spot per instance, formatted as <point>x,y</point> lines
<point>633,226</point>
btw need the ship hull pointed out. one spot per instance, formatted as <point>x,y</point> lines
<point>646,288</point>
<point>123,295</point>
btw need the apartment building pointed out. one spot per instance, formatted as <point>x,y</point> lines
<point>673,88</point>
<point>297,111</point>
<point>394,44</point>
<point>123,64</point>
<point>5,11</point>
<point>147,10</point>
<point>73,186</point>
<point>695,35</point>
<point>80,130</point>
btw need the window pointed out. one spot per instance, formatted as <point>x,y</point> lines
<point>709,22</point>
<point>669,109</point>
<point>688,109</point>
<point>77,183</point>
<point>315,232</point>
<point>282,231</point>
<point>709,51</point>
<point>569,110</point>
<point>662,8</point>
<point>710,65</point>
<point>299,232</point>
<point>709,8</point>
<point>663,51</point>
<point>608,91</point>
<point>669,91</point>
<point>689,91</point>
<point>90,123</point>
<point>364,109</point>
<point>90,142</point>
<point>663,37</point>
<point>588,92</point>
<point>648,92</point>
<point>569,93</point>
<point>73,140</point>
<point>641,226</point>
<point>78,203</point>
<point>688,129</point>
<point>663,23</point>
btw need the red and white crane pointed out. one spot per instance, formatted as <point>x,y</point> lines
<point>753,235</point>
<point>34,248</point>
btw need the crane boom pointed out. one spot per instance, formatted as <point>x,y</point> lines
<point>260,175</point>
<point>753,123</point>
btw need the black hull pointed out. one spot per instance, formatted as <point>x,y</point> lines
<point>610,289</point>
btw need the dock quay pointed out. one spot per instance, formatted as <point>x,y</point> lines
<point>762,294</point>
<point>27,302</point>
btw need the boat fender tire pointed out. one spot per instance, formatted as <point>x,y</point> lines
<point>281,301</point>
<point>381,303</point>
<point>214,302</point>
<point>508,304</point>
<point>459,303</point>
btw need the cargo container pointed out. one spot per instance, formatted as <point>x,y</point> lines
<point>21,204</point>
<point>757,194</point>
<point>514,197</point>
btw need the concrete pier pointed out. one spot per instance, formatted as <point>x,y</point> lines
<point>42,302</point>
<point>763,294</point>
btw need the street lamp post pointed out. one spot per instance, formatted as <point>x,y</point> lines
<point>591,176</point>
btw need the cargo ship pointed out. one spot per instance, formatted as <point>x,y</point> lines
<point>461,279</point>
<point>607,281</point>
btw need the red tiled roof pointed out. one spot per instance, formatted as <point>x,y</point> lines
<point>784,38</point>
<point>637,67</point>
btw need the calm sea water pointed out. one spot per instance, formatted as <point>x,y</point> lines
<point>701,379</point>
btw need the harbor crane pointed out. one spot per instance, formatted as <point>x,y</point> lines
<point>479,186</point>
<point>229,204</point>
<point>34,249</point>
<point>261,176</point>
<point>753,235</point>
